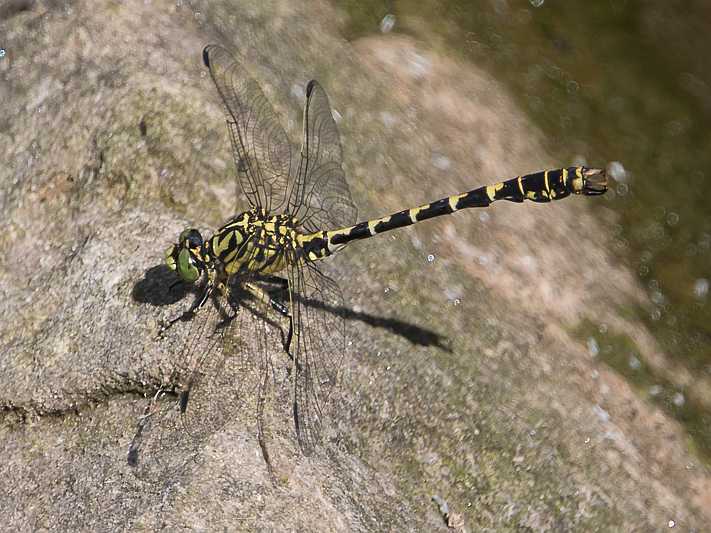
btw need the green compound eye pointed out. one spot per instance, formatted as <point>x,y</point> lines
<point>187,270</point>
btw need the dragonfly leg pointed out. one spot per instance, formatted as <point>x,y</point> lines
<point>194,307</point>
<point>282,310</point>
<point>278,280</point>
<point>279,307</point>
<point>289,336</point>
<point>226,293</point>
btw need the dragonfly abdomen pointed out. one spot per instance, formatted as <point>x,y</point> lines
<point>543,186</point>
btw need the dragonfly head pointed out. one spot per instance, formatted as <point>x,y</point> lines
<point>185,257</point>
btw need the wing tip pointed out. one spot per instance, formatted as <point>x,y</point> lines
<point>310,86</point>
<point>206,55</point>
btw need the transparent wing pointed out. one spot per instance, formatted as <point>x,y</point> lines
<point>317,347</point>
<point>216,377</point>
<point>221,377</point>
<point>320,197</point>
<point>261,147</point>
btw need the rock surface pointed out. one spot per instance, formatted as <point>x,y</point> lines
<point>462,379</point>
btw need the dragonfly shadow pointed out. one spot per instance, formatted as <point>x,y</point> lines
<point>160,286</point>
<point>412,332</point>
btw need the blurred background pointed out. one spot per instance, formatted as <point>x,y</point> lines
<point>619,81</point>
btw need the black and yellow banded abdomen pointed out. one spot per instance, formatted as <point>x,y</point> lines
<point>541,186</point>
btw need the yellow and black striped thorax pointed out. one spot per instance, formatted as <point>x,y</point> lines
<point>253,242</point>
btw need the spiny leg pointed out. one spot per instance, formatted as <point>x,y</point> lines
<point>194,307</point>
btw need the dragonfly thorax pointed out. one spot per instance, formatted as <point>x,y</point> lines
<point>253,242</point>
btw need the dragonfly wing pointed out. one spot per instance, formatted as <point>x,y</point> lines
<point>317,347</point>
<point>210,386</point>
<point>320,197</point>
<point>261,147</point>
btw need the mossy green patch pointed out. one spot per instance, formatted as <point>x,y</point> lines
<point>619,352</point>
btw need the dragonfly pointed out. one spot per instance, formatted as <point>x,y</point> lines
<point>300,213</point>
